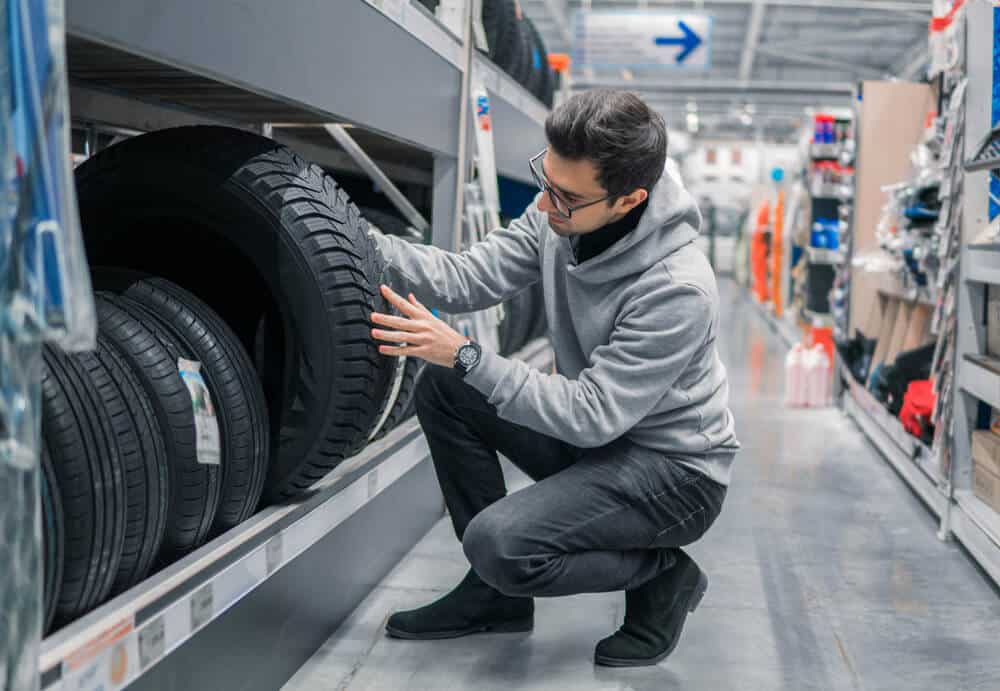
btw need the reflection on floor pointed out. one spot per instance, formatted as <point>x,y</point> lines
<point>825,574</point>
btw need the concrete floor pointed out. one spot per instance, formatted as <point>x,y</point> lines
<point>825,573</point>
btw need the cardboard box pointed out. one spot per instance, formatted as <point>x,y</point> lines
<point>986,450</point>
<point>993,321</point>
<point>986,486</point>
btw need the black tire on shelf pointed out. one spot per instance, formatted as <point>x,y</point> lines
<point>147,471</point>
<point>53,539</point>
<point>403,408</point>
<point>537,57</point>
<point>499,23</point>
<point>523,67</point>
<point>523,320</point>
<point>235,389</point>
<point>88,470</point>
<point>294,249</point>
<point>543,78</point>
<point>194,487</point>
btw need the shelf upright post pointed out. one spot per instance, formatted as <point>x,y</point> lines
<point>463,128</point>
<point>969,336</point>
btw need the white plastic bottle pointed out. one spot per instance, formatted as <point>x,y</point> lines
<point>795,380</point>
<point>817,367</point>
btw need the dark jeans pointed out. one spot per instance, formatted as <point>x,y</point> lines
<point>596,520</point>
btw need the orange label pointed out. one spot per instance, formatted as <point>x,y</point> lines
<point>99,644</point>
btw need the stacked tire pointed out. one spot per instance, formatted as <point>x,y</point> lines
<point>516,46</point>
<point>234,365</point>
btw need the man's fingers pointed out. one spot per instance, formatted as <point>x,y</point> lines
<point>395,336</point>
<point>394,350</point>
<point>395,322</point>
<point>399,303</point>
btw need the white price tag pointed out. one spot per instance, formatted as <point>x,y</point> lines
<point>393,9</point>
<point>201,607</point>
<point>209,448</point>
<point>152,643</point>
<point>274,553</point>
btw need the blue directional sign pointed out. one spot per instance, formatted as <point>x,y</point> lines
<point>637,39</point>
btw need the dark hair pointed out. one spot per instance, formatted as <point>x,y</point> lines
<point>617,132</point>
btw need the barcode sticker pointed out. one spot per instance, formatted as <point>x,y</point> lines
<point>209,448</point>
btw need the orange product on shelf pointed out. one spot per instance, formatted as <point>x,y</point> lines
<point>758,254</point>
<point>822,335</point>
<point>777,253</point>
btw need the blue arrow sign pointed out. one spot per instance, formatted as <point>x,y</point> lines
<point>689,42</point>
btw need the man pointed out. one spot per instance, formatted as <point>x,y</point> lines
<point>630,444</point>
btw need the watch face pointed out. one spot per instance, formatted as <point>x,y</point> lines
<point>467,355</point>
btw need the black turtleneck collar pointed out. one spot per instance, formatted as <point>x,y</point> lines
<point>592,244</point>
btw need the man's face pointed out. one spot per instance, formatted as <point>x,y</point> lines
<point>576,183</point>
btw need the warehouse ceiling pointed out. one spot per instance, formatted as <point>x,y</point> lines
<point>771,60</point>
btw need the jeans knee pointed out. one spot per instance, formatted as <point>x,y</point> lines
<point>498,555</point>
<point>431,386</point>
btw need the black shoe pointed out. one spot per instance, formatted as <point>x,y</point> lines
<point>472,607</point>
<point>654,617</point>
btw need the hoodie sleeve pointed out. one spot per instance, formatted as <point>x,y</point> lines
<point>489,272</point>
<point>651,345</point>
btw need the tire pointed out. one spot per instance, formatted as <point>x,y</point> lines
<point>542,84</point>
<point>500,22</point>
<point>403,408</point>
<point>235,389</point>
<point>53,539</point>
<point>88,472</point>
<point>538,59</point>
<point>193,487</point>
<point>390,224</point>
<point>522,68</point>
<point>147,471</point>
<point>296,254</point>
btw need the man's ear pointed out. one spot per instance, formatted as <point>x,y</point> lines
<point>631,200</point>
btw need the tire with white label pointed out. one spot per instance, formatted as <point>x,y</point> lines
<point>88,471</point>
<point>147,471</point>
<point>53,539</point>
<point>261,236</point>
<point>194,487</point>
<point>235,390</point>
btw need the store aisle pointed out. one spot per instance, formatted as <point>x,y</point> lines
<point>825,573</point>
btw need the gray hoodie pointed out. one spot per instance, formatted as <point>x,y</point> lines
<point>633,330</point>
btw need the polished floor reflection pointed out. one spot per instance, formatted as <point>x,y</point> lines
<point>825,573</point>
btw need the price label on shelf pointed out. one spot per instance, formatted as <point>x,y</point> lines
<point>274,553</point>
<point>152,643</point>
<point>103,663</point>
<point>201,607</point>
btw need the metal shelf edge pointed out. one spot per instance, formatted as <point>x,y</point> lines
<point>981,265</point>
<point>913,473</point>
<point>975,379</point>
<point>143,625</point>
<point>978,531</point>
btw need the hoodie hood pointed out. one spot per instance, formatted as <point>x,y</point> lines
<point>671,221</point>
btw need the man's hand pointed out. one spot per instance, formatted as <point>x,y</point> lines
<point>424,335</point>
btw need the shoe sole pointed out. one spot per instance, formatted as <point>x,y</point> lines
<point>693,601</point>
<point>512,626</point>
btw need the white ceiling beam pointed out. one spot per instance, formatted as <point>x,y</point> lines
<point>717,86</point>
<point>818,61</point>
<point>753,39</point>
<point>923,9</point>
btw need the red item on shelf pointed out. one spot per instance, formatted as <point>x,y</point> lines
<point>918,407</point>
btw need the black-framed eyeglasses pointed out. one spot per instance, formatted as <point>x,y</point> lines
<point>561,205</point>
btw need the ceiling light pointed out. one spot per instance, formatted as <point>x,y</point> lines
<point>692,107</point>
<point>746,119</point>
<point>692,122</point>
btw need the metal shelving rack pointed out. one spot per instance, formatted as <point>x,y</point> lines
<point>971,521</point>
<point>246,610</point>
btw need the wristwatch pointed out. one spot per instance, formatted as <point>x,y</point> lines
<point>466,357</point>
